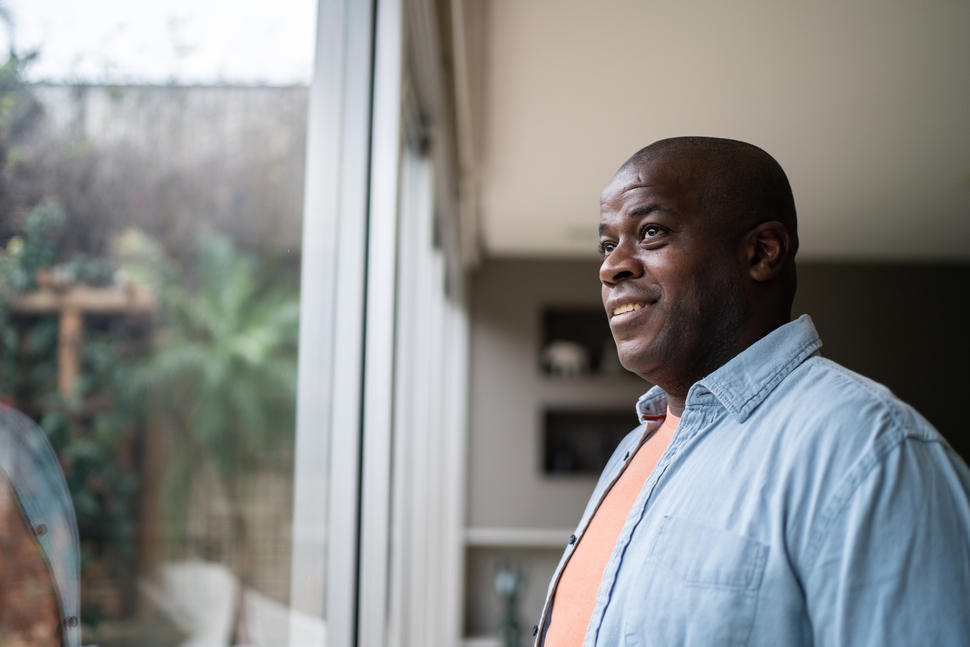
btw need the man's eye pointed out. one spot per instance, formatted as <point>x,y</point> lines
<point>650,231</point>
<point>606,247</point>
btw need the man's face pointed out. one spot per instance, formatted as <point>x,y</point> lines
<point>671,274</point>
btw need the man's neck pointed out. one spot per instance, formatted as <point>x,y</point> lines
<point>675,405</point>
<point>677,392</point>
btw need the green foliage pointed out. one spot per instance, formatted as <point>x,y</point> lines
<point>20,112</point>
<point>89,270</point>
<point>34,249</point>
<point>25,253</point>
<point>219,378</point>
<point>102,484</point>
<point>222,375</point>
<point>93,430</point>
<point>18,108</point>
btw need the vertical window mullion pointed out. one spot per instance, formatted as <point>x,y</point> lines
<point>379,326</point>
<point>327,476</point>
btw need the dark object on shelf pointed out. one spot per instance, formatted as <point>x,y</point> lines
<point>581,442</point>
<point>574,329</point>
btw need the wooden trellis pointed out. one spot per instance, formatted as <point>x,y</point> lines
<point>71,304</point>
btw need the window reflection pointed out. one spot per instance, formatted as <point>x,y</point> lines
<point>149,301</point>
<point>38,538</point>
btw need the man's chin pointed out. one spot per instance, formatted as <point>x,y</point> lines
<point>636,358</point>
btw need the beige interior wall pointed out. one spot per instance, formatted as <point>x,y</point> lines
<point>508,394</point>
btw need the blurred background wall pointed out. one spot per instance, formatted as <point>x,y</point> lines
<point>864,106</point>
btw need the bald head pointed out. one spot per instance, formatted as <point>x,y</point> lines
<point>698,236</point>
<point>738,184</point>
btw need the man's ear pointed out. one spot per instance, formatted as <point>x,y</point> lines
<point>767,247</point>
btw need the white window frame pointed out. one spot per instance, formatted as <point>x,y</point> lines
<point>360,561</point>
<point>327,473</point>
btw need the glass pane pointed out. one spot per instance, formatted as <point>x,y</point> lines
<point>151,196</point>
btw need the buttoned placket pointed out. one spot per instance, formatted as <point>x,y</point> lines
<point>686,430</point>
<point>681,435</point>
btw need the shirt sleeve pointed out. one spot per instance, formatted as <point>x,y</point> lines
<point>891,560</point>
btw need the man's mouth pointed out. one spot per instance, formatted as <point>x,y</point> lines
<point>627,307</point>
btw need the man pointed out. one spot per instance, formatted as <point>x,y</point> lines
<point>770,496</point>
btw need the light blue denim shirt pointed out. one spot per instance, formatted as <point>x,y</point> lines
<point>797,504</point>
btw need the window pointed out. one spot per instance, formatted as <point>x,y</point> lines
<point>232,302</point>
<point>151,219</point>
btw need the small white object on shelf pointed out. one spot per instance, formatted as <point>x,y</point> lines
<point>565,358</point>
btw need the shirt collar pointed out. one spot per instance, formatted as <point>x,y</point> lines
<point>652,405</point>
<point>746,380</point>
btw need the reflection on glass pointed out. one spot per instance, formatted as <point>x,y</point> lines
<point>38,540</point>
<point>149,301</point>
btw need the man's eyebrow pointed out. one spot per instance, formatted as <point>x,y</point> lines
<point>644,209</point>
<point>640,211</point>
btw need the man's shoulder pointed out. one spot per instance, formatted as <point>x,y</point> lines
<point>821,389</point>
<point>827,414</point>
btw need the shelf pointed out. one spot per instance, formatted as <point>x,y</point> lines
<point>596,392</point>
<point>480,641</point>
<point>518,537</point>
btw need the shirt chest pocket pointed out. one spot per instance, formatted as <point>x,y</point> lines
<point>695,585</point>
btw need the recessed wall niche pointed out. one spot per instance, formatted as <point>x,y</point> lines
<point>577,341</point>
<point>581,441</point>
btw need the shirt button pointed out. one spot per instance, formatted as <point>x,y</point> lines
<point>40,529</point>
<point>71,621</point>
<point>535,629</point>
<point>572,539</point>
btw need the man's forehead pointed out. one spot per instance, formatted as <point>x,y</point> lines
<point>648,176</point>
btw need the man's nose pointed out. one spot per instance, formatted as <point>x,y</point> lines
<point>621,263</point>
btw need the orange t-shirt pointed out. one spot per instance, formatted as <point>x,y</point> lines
<point>575,595</point>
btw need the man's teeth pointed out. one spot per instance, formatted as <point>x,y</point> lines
<point>629,307</point>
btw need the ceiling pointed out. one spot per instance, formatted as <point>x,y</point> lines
<point>865,104</point>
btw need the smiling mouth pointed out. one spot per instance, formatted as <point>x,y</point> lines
<point>627,307</point>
